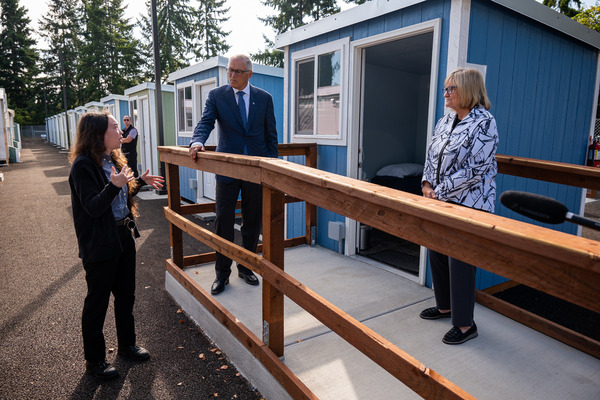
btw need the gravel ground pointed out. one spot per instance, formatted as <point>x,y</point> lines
<point>42,291</point>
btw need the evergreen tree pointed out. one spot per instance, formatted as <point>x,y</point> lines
<point>564,6</point>
<point>175,36</point>
<point>211,37</point>
<point>60,27</point>
<point>269,56</point>
<point>295,13</point>
<point>18,59</point>
<point>108,57</point>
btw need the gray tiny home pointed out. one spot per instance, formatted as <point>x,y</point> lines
<point>192,85</point>
<point>366,86</point>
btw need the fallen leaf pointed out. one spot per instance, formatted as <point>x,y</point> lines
<point>238,374</point>
<point>179,311</point>
<point>146,287</point>
<point>224,366</point>
<point>216,394</point>
<point>179,347</point>
<point>213,350</point>
<point>299,340</point>
<point>181,321</point>
<point>202,356</point>
<point>217,352</point>
<point>196,272</point>
<point>180,383</point>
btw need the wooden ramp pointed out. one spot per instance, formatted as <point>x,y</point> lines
<point>507,360</point>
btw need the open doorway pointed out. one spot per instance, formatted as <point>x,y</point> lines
<point>396,91</point>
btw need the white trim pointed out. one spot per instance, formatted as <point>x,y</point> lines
<point>341,45</point>
<point>93,104</point>
<point>553,19</point>
<point>220,61</point>
<point>368,10</point>
<point>148,86</point>
<point>182,85</point>
<point>458,35</point>
<point>286,93</point>
<point>195,100</point>
<point>356,70</point>
<point>113,97</point>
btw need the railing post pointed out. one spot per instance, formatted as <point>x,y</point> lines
<point>273,218</point>
<point>175,233</point>
<point>311,210</point>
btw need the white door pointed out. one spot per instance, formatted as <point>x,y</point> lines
<point>207,179</point>
<point>145,140</point>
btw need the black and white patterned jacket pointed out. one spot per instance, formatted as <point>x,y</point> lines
<point>461,163</point>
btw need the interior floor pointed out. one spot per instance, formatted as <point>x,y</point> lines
<point>391,250</point>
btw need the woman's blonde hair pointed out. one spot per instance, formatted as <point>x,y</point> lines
<point>470,85</point>
<point>90,141</point>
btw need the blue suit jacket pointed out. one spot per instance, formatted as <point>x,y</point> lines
<point>259,138</point>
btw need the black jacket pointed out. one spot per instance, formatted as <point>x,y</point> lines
<point>91,198</point>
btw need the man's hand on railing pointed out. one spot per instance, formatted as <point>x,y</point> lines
<point>194,150</point>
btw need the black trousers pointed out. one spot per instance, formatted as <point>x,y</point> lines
<point>116,276</point>
<point>132,163</point>
<point>453,287</point>
<point>226,197</point>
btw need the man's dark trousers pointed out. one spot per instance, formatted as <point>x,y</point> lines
<point>226,198</point>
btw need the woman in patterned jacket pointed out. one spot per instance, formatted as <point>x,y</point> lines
<point>461,169</point>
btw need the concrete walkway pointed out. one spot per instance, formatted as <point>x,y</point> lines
<point>506,361</point>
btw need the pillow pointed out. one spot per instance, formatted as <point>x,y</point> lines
<point>401,170</point>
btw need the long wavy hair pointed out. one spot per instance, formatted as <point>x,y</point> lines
<point>90,142</point>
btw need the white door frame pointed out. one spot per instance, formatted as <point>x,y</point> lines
<point>355,129</point>
<point>204,178</point>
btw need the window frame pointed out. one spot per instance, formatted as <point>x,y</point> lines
<point>313,53</point>
<point>183,86</point>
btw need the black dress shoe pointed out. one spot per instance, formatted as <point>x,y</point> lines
<point>135,352</point>
<point>101,369</point>
<point>218,286</point>
<point>249,278</point>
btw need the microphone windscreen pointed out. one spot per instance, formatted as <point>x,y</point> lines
<point>535,206</point>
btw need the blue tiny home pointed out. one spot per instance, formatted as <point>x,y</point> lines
<point>192,85</point>
<point>366,86</point>
<point>117,105</point>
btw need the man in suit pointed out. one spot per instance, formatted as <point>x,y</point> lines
<point>247,126</point>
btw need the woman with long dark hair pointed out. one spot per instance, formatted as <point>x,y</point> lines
<point>102,190</point>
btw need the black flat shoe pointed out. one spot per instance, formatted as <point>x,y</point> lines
<point>249,278</point>
<point>218,286</point>
<point>434,313</point>
<point>101,369</point>
<point>455,335</point>
<point>134,352</point>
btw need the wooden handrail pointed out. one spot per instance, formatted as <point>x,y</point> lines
<point>563,265</point>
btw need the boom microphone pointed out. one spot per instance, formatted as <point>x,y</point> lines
<point>543,209</point>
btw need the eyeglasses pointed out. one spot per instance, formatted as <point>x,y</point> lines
<point>236,72</point>
<point>125,119</point>
<point>449,89</point>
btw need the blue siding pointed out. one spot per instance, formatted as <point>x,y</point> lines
<point>273,85</point>
<point>541,86</point>
<point>123,108</point>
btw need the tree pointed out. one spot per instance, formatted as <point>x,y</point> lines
<point>61,29</point>
<point>18,59</point>
<point>564,6</point>
<point>590,18</point>
<point>175,36</point>
<point>108,59</point>
<point>210,36</point>
<point>291,14</point>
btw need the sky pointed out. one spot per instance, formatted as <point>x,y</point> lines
<point>246,30</point>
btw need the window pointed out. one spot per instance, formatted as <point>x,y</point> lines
<point>184,109</point>
<point>133,113</point>
<point>318,93</point>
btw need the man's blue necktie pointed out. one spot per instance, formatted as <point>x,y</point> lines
<point>242,107</point>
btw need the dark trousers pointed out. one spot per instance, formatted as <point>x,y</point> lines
<point>454,287</point>
<point>116,276</point>
<point>226,197</point>
<point>132,163</point>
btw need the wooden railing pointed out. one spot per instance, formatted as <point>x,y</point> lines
<point>557,263</point>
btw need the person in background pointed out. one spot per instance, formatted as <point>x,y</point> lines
<point>129,144</point>
<point>102,190</point>
<point>247,126</point>
<point>460,168</point>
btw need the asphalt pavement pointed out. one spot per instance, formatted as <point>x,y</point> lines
<point>42,288</point>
